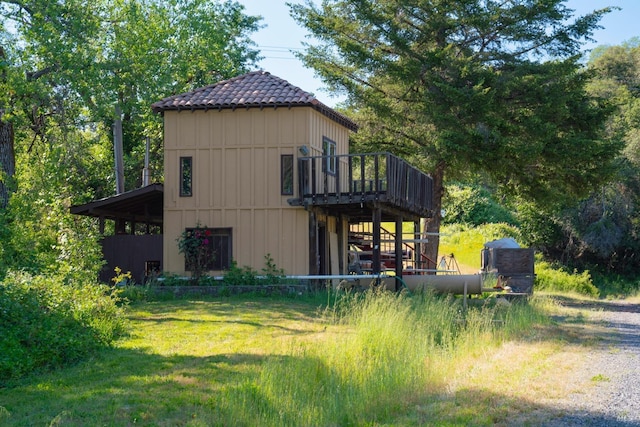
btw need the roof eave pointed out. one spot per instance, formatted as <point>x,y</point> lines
<point>318,106</point>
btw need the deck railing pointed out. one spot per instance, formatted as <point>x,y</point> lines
<point>353,177</point>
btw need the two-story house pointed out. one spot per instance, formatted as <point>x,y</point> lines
<point>267,168</point>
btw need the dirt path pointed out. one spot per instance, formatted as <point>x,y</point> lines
<point>605,389</point>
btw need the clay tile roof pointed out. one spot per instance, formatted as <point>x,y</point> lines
<point>257,89</point>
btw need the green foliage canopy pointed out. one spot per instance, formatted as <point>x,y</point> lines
<point>469,86</point>
<point>473,205</point>
<point>92,56</point>
<point>64,66</point>
<point>604,228</point>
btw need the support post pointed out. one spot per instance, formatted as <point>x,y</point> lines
<point>343,246</point>
<point>314,268</point>
<point>417,250</point>
<point>146,174</point>
<point>375,257</point>
<point>398,251</point>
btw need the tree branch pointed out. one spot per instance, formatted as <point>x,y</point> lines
<point>35,75</point>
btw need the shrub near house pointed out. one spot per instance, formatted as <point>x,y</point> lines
<point>45,323</point>
<point>195,245</point>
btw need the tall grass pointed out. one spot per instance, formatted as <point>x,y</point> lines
<point>371,359</point>
<point>398,350</point>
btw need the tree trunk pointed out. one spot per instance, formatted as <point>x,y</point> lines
<point>7,161</point>
<point>432,225</point>
<point>7,153</point>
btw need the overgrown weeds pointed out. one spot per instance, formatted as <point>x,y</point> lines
<point>373,358</point>
<point>550,277</point>
<point>396,350</point>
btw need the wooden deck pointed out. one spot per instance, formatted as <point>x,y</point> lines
<point>349,182</point>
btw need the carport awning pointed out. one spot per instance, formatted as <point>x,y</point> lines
<point>143,205</point>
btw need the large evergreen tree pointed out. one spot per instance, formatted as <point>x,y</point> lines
<point>466,87</point>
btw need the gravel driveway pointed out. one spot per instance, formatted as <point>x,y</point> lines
<point>607,391</point>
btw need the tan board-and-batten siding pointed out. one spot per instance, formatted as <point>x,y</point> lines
<point>236,179</point>
<point>230,137</point>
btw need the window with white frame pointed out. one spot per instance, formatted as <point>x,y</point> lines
<point>329,154</point>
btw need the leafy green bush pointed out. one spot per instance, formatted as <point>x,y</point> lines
<point>247,276</point>
<point>615,285</point>
<point>134,293</point>
<point>39,235</point>
<point>169,279</point>
<point>539,225</point>
<point>271,273</point>
<point>550,277</point>
<point>240,276</point>
<point>47,324</point>
<point>474,205</point>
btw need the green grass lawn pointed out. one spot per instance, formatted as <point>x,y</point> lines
<point>172,370</point>
<point>266,361</point>
<point>374,360</point>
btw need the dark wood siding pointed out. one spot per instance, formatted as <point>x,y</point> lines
<point>131,253</point>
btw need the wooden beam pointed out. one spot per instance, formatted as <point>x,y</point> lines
<point>417,250</point>
<point>314,267</point>
<point>343,237</point>
<point>375,257</point>
<point>398,247</point>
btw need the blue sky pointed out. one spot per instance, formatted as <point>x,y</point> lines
<point>282,34</point>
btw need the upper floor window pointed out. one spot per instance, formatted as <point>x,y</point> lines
<point>186,176</point>
<point>286,174</point>
<point>329,152</point>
